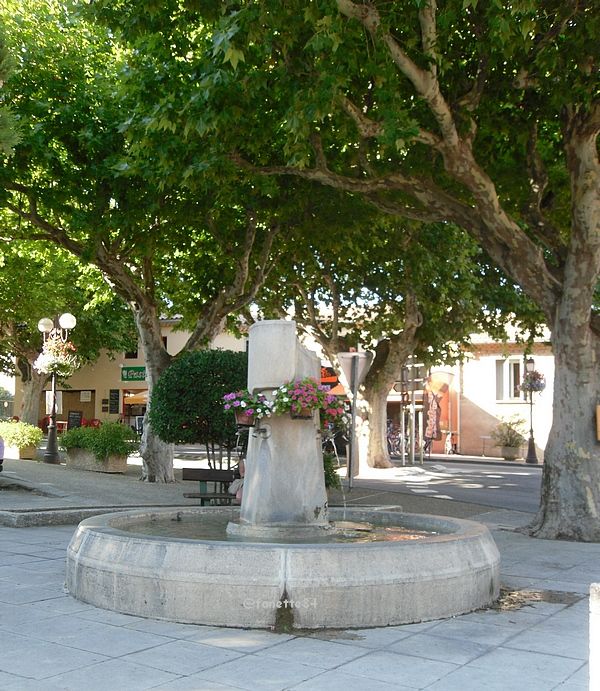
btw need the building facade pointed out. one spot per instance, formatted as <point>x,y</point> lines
<point>471,397</point>
<point>114,388</point>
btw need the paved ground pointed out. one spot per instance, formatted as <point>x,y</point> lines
<point>536,640</point>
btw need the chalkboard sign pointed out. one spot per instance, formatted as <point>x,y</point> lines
<point>74,418</point>
<point>113,406</point>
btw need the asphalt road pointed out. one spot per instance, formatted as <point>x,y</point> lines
<point>501,486</point>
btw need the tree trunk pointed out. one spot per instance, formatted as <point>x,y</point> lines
<point>33,384</point>
<point>371,407</point>
<point>571,476</point>
<point>570,507</point>
<point>373,451</point>
<point>156,454</point>
<point>32,391</point>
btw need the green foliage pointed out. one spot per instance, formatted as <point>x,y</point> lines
<point>37,281</point>
<point>109,439</point>
<point>187,401</point>
<point>332,479</point>
<point>131,199</point>
<point>510,432</point>
<point>20,434</point>
<point>9,126</point>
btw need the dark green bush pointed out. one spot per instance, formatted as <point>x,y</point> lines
<point>187,401</point>
<point>75,438</point>
<point>111,438</point>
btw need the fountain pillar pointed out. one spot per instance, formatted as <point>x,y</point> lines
<point>284,487</point>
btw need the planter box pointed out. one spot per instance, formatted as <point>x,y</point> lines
<point>243,419</point>
<point>510,453</point>
<point>27,452</point>
<point>81,459</point>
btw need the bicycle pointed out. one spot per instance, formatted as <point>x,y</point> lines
<point>396,443</point>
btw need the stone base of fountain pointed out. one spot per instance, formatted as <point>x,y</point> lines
<point>247,584</point>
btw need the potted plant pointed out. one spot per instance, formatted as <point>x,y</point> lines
<point>22,438</point>
<point>57,357</point>
<point>301,397</point>
<point>103,449</point>
<point>533,382</point>
<point>509,436</point>
<point>247,407</point>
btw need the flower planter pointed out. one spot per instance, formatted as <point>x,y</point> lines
<point>82,459</point>
<point>25,452</point>
<point>510,453</point>
<point>302,414</point>
<point>243,419</point>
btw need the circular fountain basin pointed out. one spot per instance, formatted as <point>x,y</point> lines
<point>326,584</point>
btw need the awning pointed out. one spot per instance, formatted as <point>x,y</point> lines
<point>136,398</point>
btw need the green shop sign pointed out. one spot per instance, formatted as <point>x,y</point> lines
<point>133,374</point>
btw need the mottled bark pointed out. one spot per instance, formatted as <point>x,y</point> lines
<point>33,384</point>
<point>570,507</point>
<point>157,455</point>
<point>390,356</point>
<point>372,433</point>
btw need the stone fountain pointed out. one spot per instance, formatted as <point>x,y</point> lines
<point>280,552</point>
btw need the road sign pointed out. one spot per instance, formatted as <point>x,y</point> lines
<point>363,363</point>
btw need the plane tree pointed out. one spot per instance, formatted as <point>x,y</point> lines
<point>167,242</point>
<point>478,114</point>
<point>394,288</point>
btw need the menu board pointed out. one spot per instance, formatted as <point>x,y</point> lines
<point>113,401</point>
<point>74,418</point>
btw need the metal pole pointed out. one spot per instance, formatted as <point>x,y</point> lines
<point>411,428</point>
<point>421,425</point>
<point>352,466</point>
<point>531,453</point>
<point>403,431</point>
<point>51,453</point>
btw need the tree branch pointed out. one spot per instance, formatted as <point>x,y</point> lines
<point>239,293</point>
<point>429,34</point>
<point>366,127</point>
<point>546,233</point>
<point>424,81</point>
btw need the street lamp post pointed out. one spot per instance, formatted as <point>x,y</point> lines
<point>51,329</point>
<point>531,453</point>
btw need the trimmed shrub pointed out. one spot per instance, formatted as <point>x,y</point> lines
<point>187,401</point>
<point>110,439</point>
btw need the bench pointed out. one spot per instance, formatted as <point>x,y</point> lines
<point>219,479</point>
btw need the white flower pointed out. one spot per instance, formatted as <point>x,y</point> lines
<point>242,404</point>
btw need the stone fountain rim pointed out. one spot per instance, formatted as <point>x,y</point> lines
<point>332,585</point>
<point>456,527</point>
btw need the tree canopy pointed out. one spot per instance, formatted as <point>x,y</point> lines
<point>475,115</point>
<point>478,114</point>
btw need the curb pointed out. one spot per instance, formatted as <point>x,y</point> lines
<point>30,518</point>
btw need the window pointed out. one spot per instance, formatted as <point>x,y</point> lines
<point>509,373</point>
